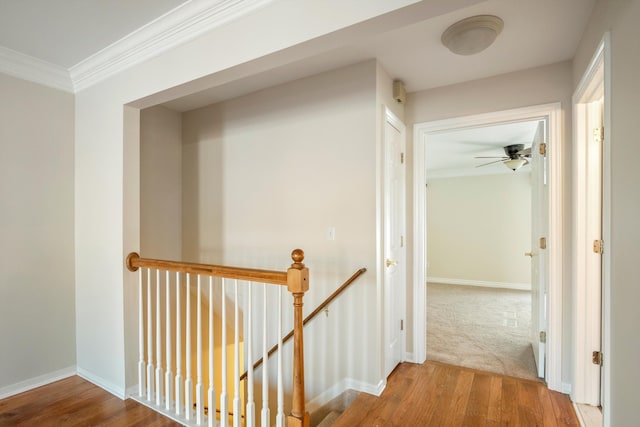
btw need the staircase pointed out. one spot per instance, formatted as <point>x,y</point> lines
<point>179,361</point>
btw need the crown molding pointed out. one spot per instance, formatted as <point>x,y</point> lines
<point>36,70</point>
<point>177,26</point>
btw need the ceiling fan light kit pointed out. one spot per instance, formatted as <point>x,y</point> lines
<point>514,164</point>
<point>472,35</point>
<point>516,157</point>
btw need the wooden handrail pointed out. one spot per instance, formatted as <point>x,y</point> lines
<point>253,275</point>
<point>313,314</point>
<point>296,278</point>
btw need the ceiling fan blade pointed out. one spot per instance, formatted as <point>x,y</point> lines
<point>491,157</point>
<point>490,163</point>
<point>526,152</point>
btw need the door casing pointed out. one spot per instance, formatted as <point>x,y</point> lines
<point>591,312</point>
<point>394,295</point>
<point>422,132</point>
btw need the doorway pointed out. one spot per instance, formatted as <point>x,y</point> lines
<point>591,225</point>
<point>480,187</point>
<point>394,168</point>
<point>552,328</point>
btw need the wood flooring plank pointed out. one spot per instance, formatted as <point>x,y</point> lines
<point>563,409</point>
<point>548,414</point>
<point>494,406</point>
<point>448,386</point>
<point>75,402</point>
<point>529,410</point>
<point>476,414</point>
<point>459,400</point>
<point>509,408</point>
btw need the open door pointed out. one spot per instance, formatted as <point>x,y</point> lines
<point>394,245</point>
<point>539,253</point>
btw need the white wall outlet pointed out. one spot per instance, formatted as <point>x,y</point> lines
<point>331,233</point>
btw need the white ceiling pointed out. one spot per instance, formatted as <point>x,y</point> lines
<point>453,153</point>
<point>65,32</point>
<point>536,32</point>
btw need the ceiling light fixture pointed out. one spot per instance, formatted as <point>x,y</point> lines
<point>472,35</point>
<point>514,164</point>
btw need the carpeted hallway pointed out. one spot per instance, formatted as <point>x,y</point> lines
<point>481,328</point>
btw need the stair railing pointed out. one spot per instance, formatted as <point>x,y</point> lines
<point>313,314</point>
<point>173,394</point>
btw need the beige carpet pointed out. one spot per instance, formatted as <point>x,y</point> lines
<point>481,328</point>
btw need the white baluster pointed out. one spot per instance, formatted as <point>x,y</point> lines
<point>280,419</point>
<point>199,385</point>
<point>212,388</point>
<point>188,382</point>
<point>266,415</point>
<point>159,373</point>
<point>251,410</point>
<point>237,407</point>
<point>150,367</point>
<point>141,363</point>
<point>168,376</point>
<point>179,381</point>
<point>224,398</point>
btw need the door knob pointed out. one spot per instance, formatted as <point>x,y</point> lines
<point>390,263</point>
<point>529,254</point>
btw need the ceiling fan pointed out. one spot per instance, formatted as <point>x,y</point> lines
<point>516,157</point>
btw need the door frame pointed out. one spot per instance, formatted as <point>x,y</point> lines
<point>422,133</point>
<point>586,299</point>
<point>393,120</point>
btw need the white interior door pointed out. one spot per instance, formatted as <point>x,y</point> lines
<point>394,245</point>
<point>539,253</point>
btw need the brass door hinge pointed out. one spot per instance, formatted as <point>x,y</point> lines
<point>543,243</point>
<point>598,246</point>
<point>402,324</point>
<point>402,158</point>
<point>542,149</point>
<point>596,358</point>
<point>402,241</point>
<point>598,134</point>
<point>543,337</point>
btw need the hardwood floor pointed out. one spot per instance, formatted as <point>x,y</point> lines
<point>431,394</point>
<point>436,394</point>
<point>76,402</point>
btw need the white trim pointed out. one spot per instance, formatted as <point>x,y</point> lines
<point>588,335</point>
<point>566,388</point>
<point>35,382</point>
<point>393,120</point>
<point>481,283</point>
<point>35,70</point>
<point>177,26</point>
<point>422,131</point>
<point>102,383</point>
<point>342,386</point>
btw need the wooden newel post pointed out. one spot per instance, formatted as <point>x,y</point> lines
<point>298,284</point>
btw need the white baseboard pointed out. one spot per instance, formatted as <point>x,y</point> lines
<point>38,381</point>
<point>484,284</point>
<point>409,357</point>
<point>102,383</point>
<point>342,386</point>
<point>566,388</point>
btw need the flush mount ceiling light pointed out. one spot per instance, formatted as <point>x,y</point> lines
<point>472,35</point>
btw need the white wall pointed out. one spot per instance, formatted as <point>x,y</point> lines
<point>271,171</point>
<point>542,85</point>
<point>478,229</point>
<point>107,209</point>
<point>622,346</point>
<point>37,315</point>
<point>160,183</point>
